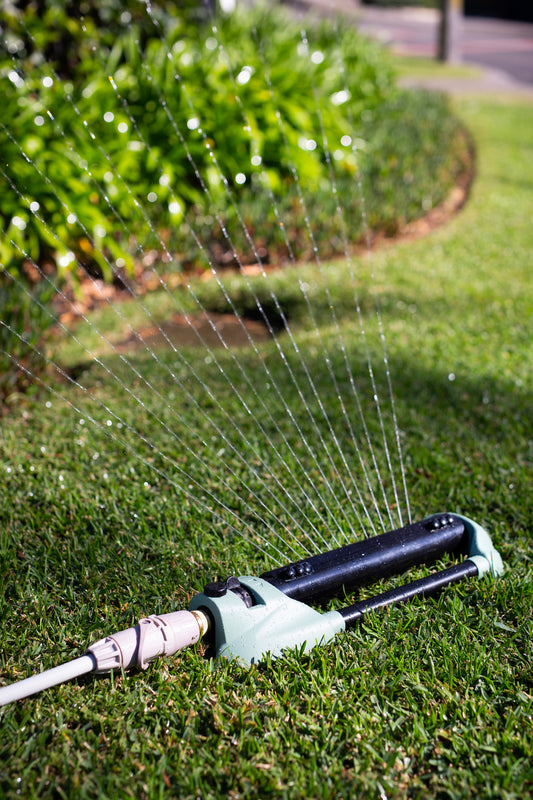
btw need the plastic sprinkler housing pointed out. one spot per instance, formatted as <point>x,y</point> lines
<point>248,617</point>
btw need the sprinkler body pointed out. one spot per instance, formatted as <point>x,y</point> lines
<point>255,616</point>
<point>246,618</point>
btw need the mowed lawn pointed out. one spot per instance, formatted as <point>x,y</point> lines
<point>431,699</point>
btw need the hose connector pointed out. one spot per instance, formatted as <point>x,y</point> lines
<point>157,635</point>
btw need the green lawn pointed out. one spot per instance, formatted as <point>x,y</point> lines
<point>429,699</point>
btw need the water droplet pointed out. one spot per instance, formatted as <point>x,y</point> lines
<point>338,98</point>
<point>109,116</point>
<point>317,57</point>
<point>19,223</point>
<point>43,449</point>
<point>99,231</point>
<point>8,469</point>
<point>109,422</point>
<point>61,479</point>
<point>151,197</point>
<point>34,206</point>
<point>174,207</point>
<point>66,259</point>
<point>48,404</point>
<point>193,123</point>
<point>15,78</point>
<point>307,144</point>
<point>82,421</point>
<point>164,180</point>
<point>256,161</point>
<point>240,178</point>
<point>451,376</point>
<point>105,476</point>
<point>96,456</point>
<point>211,43</point>
<point>346,140</point>
<point>122,127</point>
<point>48,82</point>
<point>244,75</point>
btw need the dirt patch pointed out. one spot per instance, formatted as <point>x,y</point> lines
<point>205,330</point>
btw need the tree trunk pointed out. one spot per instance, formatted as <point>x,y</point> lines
<point>450,31</point>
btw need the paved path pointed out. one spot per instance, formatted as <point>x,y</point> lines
<point>502,49</point>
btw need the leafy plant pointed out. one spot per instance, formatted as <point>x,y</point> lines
<point>108,147</point>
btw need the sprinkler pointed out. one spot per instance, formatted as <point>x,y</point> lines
<point>246,618</point>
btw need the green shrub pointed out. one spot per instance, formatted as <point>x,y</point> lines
<point>117,152</point>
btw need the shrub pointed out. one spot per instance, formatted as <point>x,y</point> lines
<point>108,147</point>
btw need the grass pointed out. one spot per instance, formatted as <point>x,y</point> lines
<point>430,699</point>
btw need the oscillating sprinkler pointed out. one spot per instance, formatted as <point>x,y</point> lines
<point>246,618</point>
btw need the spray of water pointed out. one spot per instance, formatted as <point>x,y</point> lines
<point>309,464</point>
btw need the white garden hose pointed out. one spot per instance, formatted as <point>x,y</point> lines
<point>161,635</point>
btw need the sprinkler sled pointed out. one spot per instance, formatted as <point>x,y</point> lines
<point>246,618</point>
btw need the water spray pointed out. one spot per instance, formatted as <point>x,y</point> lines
<point>248,617</point>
